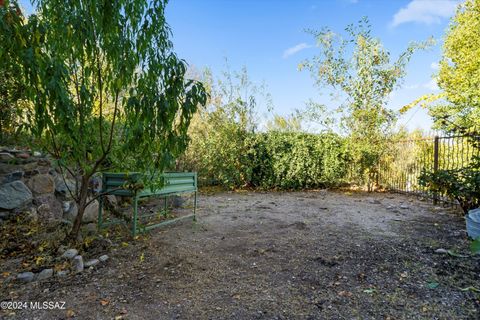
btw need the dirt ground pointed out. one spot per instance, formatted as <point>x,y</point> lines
<point>279,255</point>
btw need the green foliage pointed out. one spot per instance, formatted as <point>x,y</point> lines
<point>294,160</point>
<point>291,123</point>
<point>106,86</point>
<point>461,184</point>
<point>12,84</point>
<point>459,75</point>
<point>360,70</point>
<point>475,246</point>
<point>220,130</point>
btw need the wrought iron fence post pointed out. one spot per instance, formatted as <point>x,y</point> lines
<point>435,165</point>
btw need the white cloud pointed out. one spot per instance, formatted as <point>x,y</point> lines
<point>295,49</point>
<point>425,11</point>
<point>411,86</point>
<point>431,85</point>
<point>435,66</point>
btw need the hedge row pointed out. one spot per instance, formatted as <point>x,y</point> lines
<point>272,160</point>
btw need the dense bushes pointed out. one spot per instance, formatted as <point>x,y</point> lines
<point>290,160</point>
<point>272,160</point>
<point>462,185</point>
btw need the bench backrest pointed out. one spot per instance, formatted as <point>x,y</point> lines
<point>113,183</point>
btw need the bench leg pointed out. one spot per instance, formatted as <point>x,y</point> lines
<point>165,207</point>
<point>135,216</point>
<point>100,212</point>
<point>195,206</point>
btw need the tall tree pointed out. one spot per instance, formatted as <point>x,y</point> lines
<point>459,75</point>
<point>359,69</point>
<point>457,107</point>
<point>106,86</point>
<point>220,131</point>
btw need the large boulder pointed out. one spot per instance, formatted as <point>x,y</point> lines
<point>14,195</point>
<point>42,184</point>
<point>6,157</point>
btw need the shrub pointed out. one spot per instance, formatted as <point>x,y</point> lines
<point>462,184</point>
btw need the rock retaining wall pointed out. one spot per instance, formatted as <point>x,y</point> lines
<point>31,183</point>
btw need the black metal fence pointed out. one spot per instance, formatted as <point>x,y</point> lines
<point>402,165</point>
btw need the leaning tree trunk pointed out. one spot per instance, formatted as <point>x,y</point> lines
<point>82,204</point>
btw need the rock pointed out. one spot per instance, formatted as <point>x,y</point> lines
<point>62,248</point>
<point>91,263</point>
<point>62,273</point>
<point>6,157</point>
<point>70,253</point>
<point>404,207</point>
<point>25,277</point>
<point>49,207</point>
<point>441,250</point>
<point>90,228</point>
<point>95,184</point>
<point>6,168</point>
<point>37,154</point>
<point>23,155</point>
<point>91,212</point>
<point>4,215</point>
<point>66,206</point>
<point>42,184</point>
<point>64,186</point>
<point>13,176</point>
<point>45,274</point>
<point>14,195</point>
<point>374,201</point>
<point>72,212</point>
<point>103,258</point>
<point>77,264</point>
<point>30,167</point>
<point>32,214</point>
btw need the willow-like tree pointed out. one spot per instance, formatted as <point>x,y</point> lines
<point>107,90</point>
<point>359,70</point>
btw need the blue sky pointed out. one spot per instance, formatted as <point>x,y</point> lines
<point>267,36</point>
<point>259,34</point>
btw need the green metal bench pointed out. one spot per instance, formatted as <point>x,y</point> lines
<point>120,184</point>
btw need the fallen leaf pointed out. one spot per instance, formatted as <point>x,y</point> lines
<point>70,313</point>
<point>345,294</point>
<point>432,285</point>
<point>470,289</point>
<point>104,302</point>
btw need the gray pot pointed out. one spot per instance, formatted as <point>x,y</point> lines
<point>473,223</point>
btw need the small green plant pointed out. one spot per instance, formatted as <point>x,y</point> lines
<point>462,184</point>
<point>475,246</point>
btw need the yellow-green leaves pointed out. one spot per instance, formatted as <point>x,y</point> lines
<point>459,75</point>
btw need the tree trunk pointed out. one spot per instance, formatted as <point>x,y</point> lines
<point>82,204</point>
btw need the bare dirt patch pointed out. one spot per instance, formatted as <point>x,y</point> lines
<point>279,255</point>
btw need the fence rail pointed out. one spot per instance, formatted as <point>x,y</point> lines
<point>403,164</point>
